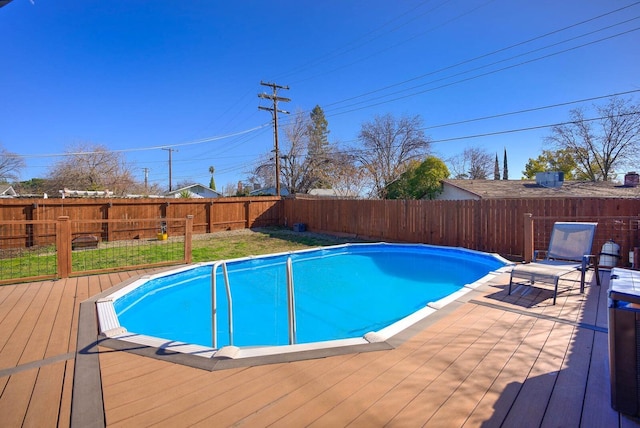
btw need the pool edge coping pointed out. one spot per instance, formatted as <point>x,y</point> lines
<point>109,328</point>
<point>231,357</point>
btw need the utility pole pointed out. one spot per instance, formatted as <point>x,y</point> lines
<point>274,111</point>
<point>146,179</point>
<point>170,150</point>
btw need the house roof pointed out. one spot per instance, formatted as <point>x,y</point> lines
<point>192,186</point>
<point>6,190</point>
<point>501,189</point>
<point>269,191</point>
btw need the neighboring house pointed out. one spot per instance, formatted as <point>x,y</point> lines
<point>504,189</point>
<point>6,191</point>
<point>269,191</point>
<point>333,193</point>
<point>194,191</point>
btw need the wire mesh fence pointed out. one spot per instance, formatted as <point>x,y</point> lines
<point>27,250</point>
<point>118,244</point>
<point>31,250</point>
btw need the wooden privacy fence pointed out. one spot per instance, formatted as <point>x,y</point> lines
<point>209,215</point>
<point>487,225</point>
<point>492,225</point>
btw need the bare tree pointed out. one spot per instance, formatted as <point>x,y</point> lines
<point>474,163</point>
<point>10,165</point>
<point>389,144</point>
<point>92,167</point>
<point>295,164</point>
<point>600,145</point>
<point>345,177</point>
<point>264,172</point>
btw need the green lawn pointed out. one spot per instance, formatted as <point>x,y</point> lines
<point>209,247</point>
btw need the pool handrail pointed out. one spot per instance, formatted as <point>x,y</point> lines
<point>214,303</point>
<point>291,303</point>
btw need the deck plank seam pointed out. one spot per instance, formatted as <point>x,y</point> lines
<point>36,364</point>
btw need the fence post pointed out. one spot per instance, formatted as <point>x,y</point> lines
<point>63,246</point>
<point>188,234</point>
<point>209,211</point>
<point>247,211</point>
<point>528,237</point>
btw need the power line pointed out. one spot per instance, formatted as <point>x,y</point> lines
<point>141,149</point>
<point>522,43</point>
<point>495,116</point>
<point>472,77</point>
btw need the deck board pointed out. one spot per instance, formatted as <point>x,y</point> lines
<point>492,360</point>
<point>47,390</point>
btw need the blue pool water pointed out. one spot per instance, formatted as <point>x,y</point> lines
<point>340,292</point>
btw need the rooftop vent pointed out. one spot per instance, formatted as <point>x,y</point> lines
<point>631,179</point>
<point>550,179</point>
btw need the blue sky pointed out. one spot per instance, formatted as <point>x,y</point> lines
<point>140,75</point>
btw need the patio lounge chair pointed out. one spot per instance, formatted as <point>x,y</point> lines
<point>569,250</point>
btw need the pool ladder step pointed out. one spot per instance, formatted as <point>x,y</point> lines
<point>291,303</point>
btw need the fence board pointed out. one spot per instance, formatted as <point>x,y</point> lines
<point>487,225</point>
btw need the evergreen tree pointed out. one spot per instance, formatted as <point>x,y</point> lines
<point>318,150</point>
<point>505,169</point>
<point>318,131</point>
<point>496,169</point>
<point>212,182</point>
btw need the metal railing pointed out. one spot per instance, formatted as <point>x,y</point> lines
<point>291,303</point>
<point>214,303</point>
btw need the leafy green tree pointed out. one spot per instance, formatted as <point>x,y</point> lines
<point>550,160</point>
<point>33,186</point>
<point>422,180</point>
<point>496,169</point>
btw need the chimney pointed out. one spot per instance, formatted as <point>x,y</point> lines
<point>631,179</point>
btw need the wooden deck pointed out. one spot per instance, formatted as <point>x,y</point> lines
<point>486,360</point>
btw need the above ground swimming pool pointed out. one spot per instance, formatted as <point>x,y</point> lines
<point>352,291</point>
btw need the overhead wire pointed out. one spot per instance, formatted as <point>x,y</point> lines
<point>138,149</point>
<point>494,133</point>
<point>479,75</point>
<point>369,104</point>
<point>486,55</point>
<point>362,40</point>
